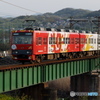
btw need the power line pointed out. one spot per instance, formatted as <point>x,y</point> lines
<point>20,7</point>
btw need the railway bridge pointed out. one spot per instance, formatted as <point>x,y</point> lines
<point>14,77</point>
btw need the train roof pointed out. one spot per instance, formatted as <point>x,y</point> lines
<point>54,30</point>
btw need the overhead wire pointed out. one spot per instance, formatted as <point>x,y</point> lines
<point>20,7</point>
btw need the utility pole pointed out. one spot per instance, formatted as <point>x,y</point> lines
<point>75,21</point>
<point>95,21</point>
<point>4,33</point>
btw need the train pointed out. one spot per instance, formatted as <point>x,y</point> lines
<point>36,45</point>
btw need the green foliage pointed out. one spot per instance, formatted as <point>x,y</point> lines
<point>7,97</point>
<point>83,98</point>
<point>4,47</point>
<point>93,14</point>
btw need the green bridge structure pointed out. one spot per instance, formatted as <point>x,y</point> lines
<point>14,79</point>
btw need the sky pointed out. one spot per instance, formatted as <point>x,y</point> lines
<point>31,7</point>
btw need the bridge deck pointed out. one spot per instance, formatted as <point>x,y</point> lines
<point>24,77</point>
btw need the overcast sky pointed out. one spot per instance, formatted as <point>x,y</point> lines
<point>43,6</point>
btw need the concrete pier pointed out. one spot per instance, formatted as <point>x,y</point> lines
<point>87,82</point>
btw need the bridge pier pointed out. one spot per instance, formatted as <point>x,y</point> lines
<point>87,82</point>
<point>39,92</point>
<point>33,91</point>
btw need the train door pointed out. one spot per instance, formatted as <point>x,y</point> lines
<point>40,39</point>
<point>74,42</point>
<point>82,42</point>
<point>51,42</point>
<point>94,41</point>
<point>90,44</point>
<point>71,43</point>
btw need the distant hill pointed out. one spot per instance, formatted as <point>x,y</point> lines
<point>70,12</point>
<point>93,14</point>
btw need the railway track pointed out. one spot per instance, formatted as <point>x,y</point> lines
<point>18,66</point>
<point>7,61</point>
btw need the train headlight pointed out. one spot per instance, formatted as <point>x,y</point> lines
<point>15,52</point>
<point>29,52</point>
<point>15,57</point>
<point>29,57</point>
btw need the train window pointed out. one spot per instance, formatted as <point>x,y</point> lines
<point>68,40</point>
<point>55,40</point>
<point>85,41</point>
<point>98,41</point>
<point>52,40</point>
<point>36,41</point>
<point>75,40</point>
<point>72,40</point>
<point>45,41</point>
<point>22,34</point>
<point>39,41</point>
<point>94,41</point>
<point>15,33</point>
<point>22,39</point>
<point>80,40</point>
<point>91,40</point>
<point>64,39</point>
<point>59,40</point>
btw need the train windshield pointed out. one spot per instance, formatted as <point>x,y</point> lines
<point>22,38</point>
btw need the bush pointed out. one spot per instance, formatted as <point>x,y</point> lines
<point>7,97</point>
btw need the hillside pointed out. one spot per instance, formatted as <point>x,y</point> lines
<point>56,19</point>
<point>70,12</point>
<point>93,14</point>
<point>52,17</point>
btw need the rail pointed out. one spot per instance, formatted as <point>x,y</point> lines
<point>17,66</point>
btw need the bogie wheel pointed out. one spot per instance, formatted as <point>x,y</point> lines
<point>38,59</point>
<point>32,62</point>
<point>80,55</point>
<point>70,56</point>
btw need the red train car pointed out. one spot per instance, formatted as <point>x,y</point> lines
<point>36,45</point>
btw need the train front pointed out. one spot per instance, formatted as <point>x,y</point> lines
<point>22,45</point>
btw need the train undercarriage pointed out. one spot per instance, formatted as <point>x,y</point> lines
<point>68,55</point>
